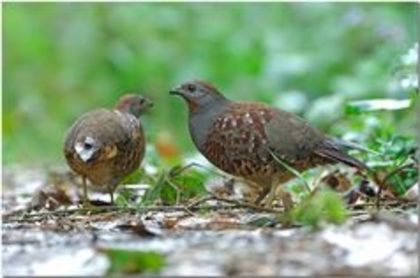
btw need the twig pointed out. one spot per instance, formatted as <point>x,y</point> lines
<point>390,203</point>
<point>246,205</point>
<point>177,170</point>
<point>200,201</point>
<point>189,209</point>
<point>358,213</point>
<point>231,201</point>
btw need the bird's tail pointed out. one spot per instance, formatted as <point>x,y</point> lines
<point>333,149</point>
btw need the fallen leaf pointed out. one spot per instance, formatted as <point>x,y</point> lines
<point>337,181</point>
<point>140,229</point>
<point>166,147</point>
<point>412,194</point>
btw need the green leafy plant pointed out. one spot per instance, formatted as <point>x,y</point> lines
<point>324,206</point>
<point>172,188</point>
<point>133,262</point>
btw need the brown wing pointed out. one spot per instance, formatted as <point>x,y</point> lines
<point>236,142</point>
<point>297,143</point>
<point>102,125</point>
<point>291,138</point>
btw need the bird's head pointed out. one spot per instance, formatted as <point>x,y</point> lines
<point>133,104</point>
<point>198,94</point>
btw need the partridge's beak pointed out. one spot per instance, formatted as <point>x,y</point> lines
<point>176,91</point>
<point>148,103</point>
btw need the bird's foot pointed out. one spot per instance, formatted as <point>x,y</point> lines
<point>270,200</point>
<point>267,197</point>
<point>287,201</point>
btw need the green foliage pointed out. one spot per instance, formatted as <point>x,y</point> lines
<point>134,262</point>
<point>403,180</point>
<point>124,198</point>
<point>172,189</point>
<point>191,183</point>
<point>62,59</point>
<point>399,163</point>
<point>135,177</point>
<point>387,127</point>
<point>162,190</point>
<point>324,206</point>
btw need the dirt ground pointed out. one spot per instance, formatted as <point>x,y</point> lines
<point>226,240</point>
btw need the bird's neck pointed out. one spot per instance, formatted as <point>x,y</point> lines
<point>201,119</point>
<point>204,103</point>
<point>129,109</point>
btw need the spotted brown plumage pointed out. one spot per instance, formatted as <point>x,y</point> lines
<point>246,139</point>
<point>106,145</point>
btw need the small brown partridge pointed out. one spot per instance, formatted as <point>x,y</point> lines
<point>247,139</point>
<point>106,145</point>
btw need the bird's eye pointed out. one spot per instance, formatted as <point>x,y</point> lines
<point>191,88</point>
<point>142,101</point>
<point>87,146</point>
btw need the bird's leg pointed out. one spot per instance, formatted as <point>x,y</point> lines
<point>111,194</point>
<point>262,195</point>
<point>86,202</point>
<point>268,201</point>
<point>286,199</point>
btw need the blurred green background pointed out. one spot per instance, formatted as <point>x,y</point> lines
<point>63,59</point>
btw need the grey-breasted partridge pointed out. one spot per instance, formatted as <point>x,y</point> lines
<point>247,139</point>
<point>106,145</point>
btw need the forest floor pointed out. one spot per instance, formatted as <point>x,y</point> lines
<point>41,236</point>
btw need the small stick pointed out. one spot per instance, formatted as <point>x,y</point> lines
<point>187,210</point>
<point>22,218</point>
<point>246,205</point>
<point>178,170</point>
<point>200,201</point>
<point>390,203</point>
